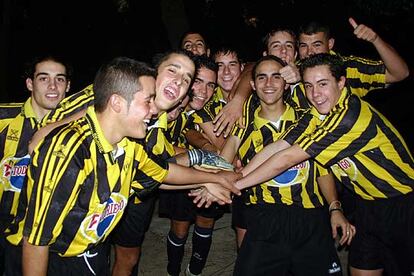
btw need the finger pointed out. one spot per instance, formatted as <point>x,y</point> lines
<point>218,117</point>
<point>200,203</point>
<point>227,130</point>
<point>334,232</point>
<point>219,122</point>
<point>220,129</point>
<point>353,23</point>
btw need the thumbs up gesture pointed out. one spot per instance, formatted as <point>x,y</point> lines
<point>362,31</point>
<point>290,72</point>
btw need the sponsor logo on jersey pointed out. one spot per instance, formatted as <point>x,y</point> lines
<point>294,175</point>
<point>346,168</point>
<point>13,172</point>
<point>97,224</point>
<point>13,135</point>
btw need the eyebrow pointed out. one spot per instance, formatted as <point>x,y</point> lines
<point>47,74</point>
<point>264,75</point>
<point>280,42</point>
<point>190,41</point>
<point>179,67</point>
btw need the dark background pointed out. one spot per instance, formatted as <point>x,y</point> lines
<point>89,32</point>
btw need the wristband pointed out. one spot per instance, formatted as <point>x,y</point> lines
<point>335,202</point>
<point>336,209</point>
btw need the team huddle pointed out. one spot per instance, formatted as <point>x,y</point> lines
<point>200,131</point>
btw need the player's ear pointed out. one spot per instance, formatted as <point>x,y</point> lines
<point>341,82</point>
<point>331,43</point>
<point>68,87</point>
<point>116,102</point>
<point>252,85</point>
<point>29,84</point>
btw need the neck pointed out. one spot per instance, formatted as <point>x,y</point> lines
<point>110,129</point>
<point>39,112</point>
<point>272,112</point>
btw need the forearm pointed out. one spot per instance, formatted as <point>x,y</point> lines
<point>180,175</point>
<point>242,88</point>
<point>272,167</point>
<point>35,259</point>
<point>197,139</point>
<point>263,155</point>
<point>396,67</point>
<point>327,186</point>
<point>180,187</point>
<point>230,148</point>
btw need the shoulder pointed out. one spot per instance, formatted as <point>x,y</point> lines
<point>10,110</point>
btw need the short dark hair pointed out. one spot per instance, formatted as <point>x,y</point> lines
<point>226,49</point>
<point>335,63</point>
<point>265,58</point>
<point>192,32</point>
<point>277,29</point>
<point>314,27</point>
<point>206,62</point>
<point>30,66</point>
<point>161,57</point>
<point>119,76</point>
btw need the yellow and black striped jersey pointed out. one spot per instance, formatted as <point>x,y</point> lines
<point>71,105</point>
<point>78,186</point>
<point>365,152</point>
<point>157,140</point>
<point>177,129</point>
<point>296,186</point>
<point>362,76</point>
<point>157,144</point>
<point>18,123</point>
<point>211,108</point>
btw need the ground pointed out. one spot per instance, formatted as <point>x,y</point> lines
<point>221,258</point>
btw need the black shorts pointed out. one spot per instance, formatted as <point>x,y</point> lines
<point>286,240</point>
<point>177,205</point>
<point>384,236</point>
<point>93,262</point>
<point>239,215</point>
<point>13,259</point>
<point>130,231</point>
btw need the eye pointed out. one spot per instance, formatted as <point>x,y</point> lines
<point>187,81</point>
<point>61,79</point>
<point>211,86</point>
<point>171,70</point>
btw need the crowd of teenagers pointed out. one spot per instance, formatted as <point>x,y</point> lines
<point>286,143</point>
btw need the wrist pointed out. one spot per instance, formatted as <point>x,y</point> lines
<point>334,206</point>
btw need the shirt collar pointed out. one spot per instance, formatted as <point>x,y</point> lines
<point>97,133</point>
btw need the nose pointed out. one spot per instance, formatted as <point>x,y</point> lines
<point>52,84</point>
<point>179,79</point>
<point>226,70</point>
<point>153,109</point>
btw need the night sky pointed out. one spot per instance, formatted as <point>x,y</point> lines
<point>90,32</point>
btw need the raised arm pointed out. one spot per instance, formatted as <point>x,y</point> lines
<point>233,110</point>
<point>396,67</point>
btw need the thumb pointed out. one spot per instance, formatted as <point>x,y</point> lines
<point>334,232</point>
<point>353,23</point>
